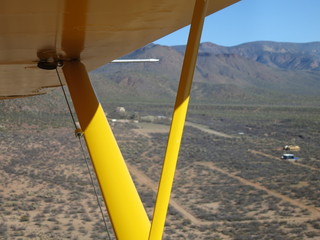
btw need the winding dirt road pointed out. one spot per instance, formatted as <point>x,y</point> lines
<point>144,179</point>
<point>315,212</point>
<point>279,159</point>
<point>208,130</point>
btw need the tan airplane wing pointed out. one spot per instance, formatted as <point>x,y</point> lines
<point>95,31</point>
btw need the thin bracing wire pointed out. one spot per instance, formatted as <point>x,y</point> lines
<point>65,97</point>
<point>84,156</point>
<point>94,188</point>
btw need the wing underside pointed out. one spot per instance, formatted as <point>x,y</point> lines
<point>95,31</point>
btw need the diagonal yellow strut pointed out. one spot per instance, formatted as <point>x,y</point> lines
<point>127,214</point>
<point>178,120</point>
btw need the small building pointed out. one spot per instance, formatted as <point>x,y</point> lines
<point>120,110</point>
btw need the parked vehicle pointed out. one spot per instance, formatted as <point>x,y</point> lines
<point>288,156</point>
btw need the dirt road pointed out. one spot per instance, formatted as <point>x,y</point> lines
<point>315,212</point>
<point>144,179</point>
<point>204,128</point>
<point>279,159</point>
<point>146,128</point>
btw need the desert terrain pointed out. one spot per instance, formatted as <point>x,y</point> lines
<point>230,182</point>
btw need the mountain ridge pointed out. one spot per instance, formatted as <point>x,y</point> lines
<point>258,72</point>
<point>268,52</point>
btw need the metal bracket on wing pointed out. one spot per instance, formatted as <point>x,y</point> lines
<point>48,59</point>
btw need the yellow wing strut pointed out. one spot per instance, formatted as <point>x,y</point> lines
<point>178,120</point>
<point>126,211</point>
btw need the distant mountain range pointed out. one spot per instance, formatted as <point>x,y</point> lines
<point>252,73</point>
<point>257,72</point>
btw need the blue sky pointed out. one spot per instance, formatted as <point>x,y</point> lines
<point>255,20</point>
